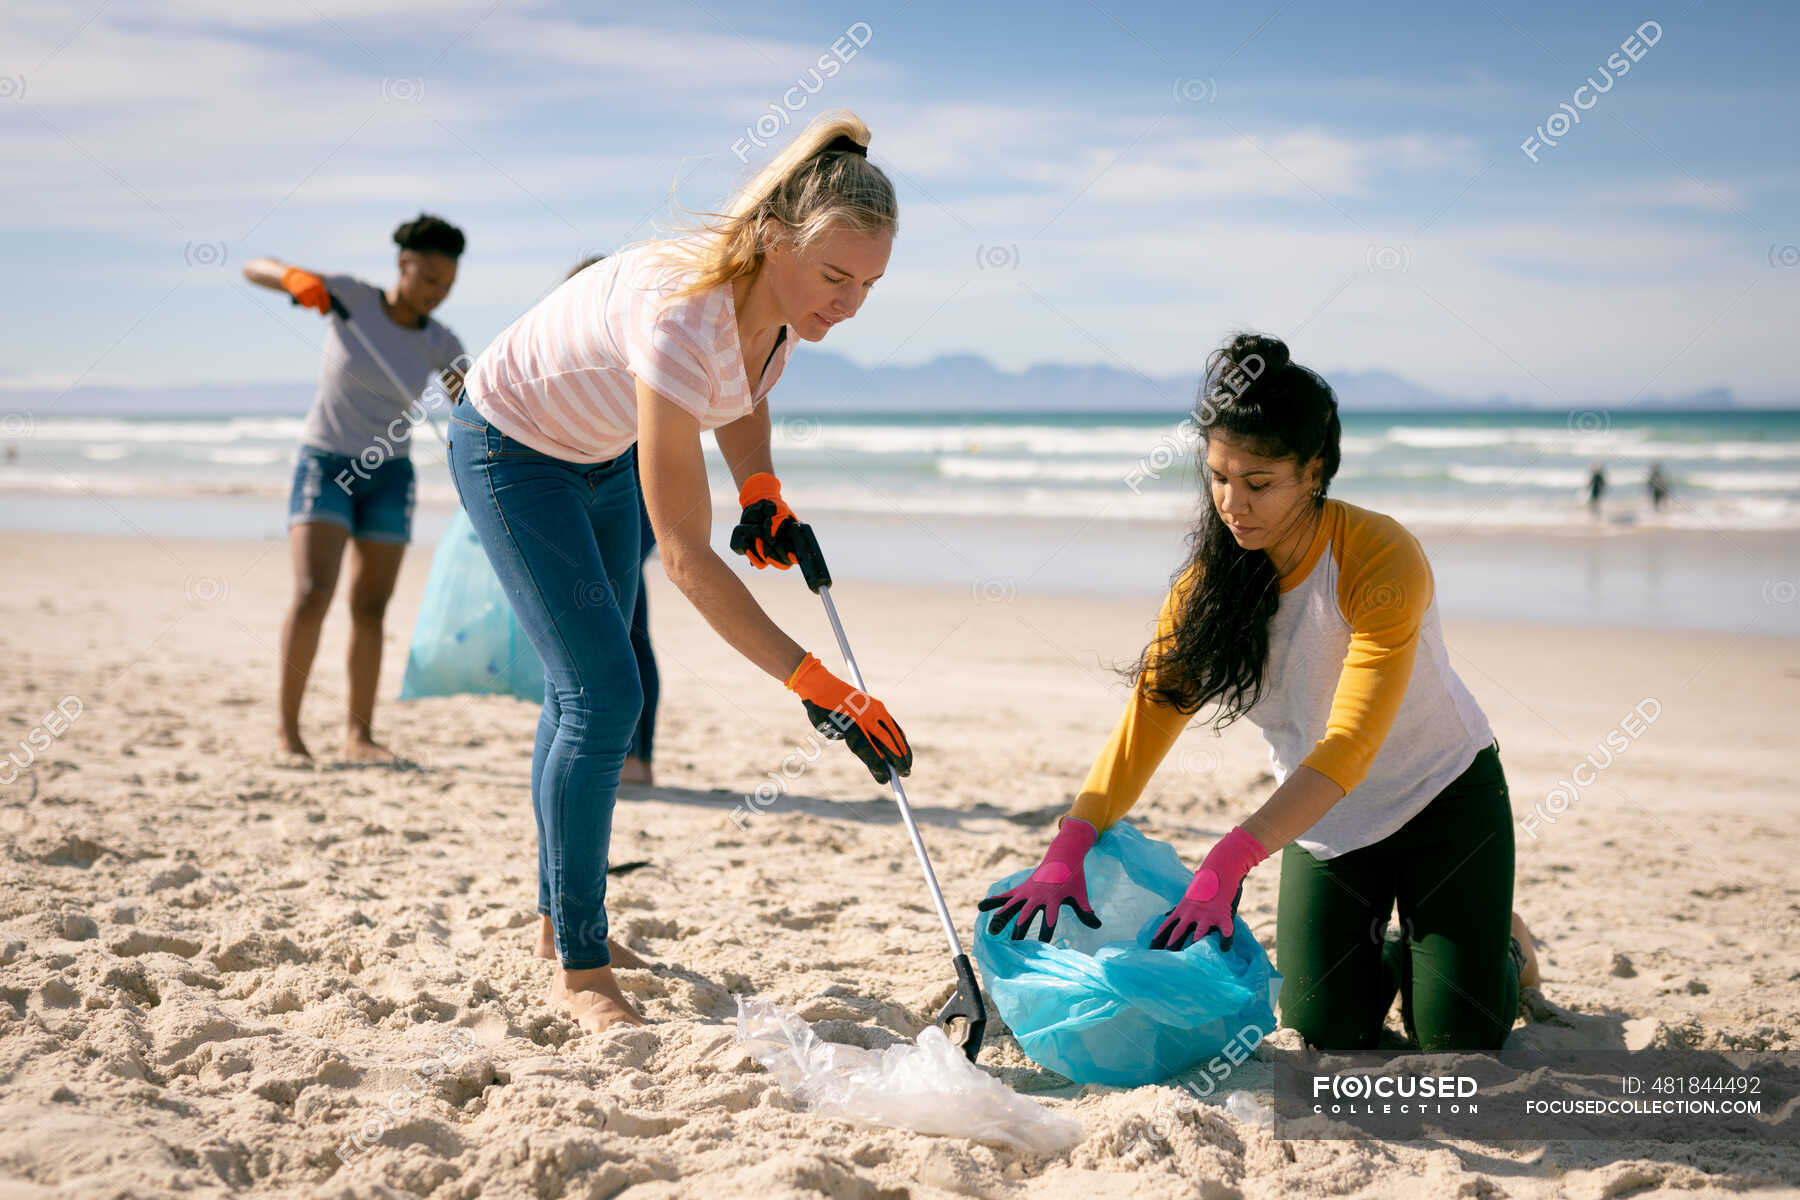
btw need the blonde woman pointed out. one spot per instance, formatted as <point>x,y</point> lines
<point>630,361</point>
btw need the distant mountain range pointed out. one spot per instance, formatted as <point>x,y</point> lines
<point>822,382</point>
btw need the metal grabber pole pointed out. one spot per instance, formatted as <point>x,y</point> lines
<point>964,1017</point>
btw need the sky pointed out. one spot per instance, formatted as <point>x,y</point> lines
<point>1386,186</point>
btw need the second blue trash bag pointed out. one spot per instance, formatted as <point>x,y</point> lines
<point>466,638</point>
<point>1100,1006</point>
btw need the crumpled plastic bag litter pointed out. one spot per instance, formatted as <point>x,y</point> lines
<point>466,638</point>
<point>1245,1107</point>
<point>1100,1006</point>
<point>928,1086</point>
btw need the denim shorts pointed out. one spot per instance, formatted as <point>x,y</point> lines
<point>373,504</point>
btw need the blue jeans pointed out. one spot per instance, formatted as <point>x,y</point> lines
<point>643,743</point>
<point>563,540</point>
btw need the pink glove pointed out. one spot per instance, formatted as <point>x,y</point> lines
<point>1211,899</point>
<point>1057,881</point>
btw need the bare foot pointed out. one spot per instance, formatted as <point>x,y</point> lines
<point>637,770</point>
<point>363,750</point>
<point>1528,974</point>
<point>546,947</point>
<point>291,744</point>
<point>593,998</point>
<point>621,956</point>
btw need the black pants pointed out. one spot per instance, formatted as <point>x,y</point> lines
<point>1450,868</point>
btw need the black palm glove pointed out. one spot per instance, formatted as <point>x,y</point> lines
<point>764,533</point>
<point>1180,925</point>
<point>841,726</point>
<point>764,546</point>
<point>1059,880</point>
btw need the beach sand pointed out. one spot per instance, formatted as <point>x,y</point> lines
<point>217,968</point>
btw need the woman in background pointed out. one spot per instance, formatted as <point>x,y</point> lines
<point>353,478</point>
<point>1318,620</point>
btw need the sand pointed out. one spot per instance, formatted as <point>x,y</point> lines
<point>222,973</point>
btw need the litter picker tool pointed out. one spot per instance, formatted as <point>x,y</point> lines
<point>964,1017</point>
<point>343,314</point>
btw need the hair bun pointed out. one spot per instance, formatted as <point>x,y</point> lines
<point>432,234</point>
<point>1271,350</point>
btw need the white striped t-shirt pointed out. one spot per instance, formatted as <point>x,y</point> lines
<point>563,377</point>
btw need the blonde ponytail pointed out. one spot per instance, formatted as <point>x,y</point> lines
<point>798,197</point>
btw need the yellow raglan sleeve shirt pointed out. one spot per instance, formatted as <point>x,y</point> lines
<point>1384,589</point>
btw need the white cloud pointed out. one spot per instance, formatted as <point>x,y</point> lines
<point>1675,191</point>
<point>1295,163</point>
<point>973,141</point>
<point>707,60</point>
<point>220,118</point>
<point>438,18</point>
<point>1465,309</point>
<point>1059,150</point>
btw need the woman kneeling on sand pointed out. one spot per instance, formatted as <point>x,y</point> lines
<point>630,360</point>
<point>1317,620</point>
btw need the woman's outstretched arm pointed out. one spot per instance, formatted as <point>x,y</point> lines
<point>1295,807</point>
<point>679,501</point>
<point>745,444</point>
<point>266,272</point>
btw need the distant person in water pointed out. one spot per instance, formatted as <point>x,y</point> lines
<point>1596,487</point>
<point>353,477</point>
<point>637,763</point>
<point>1659,486</point>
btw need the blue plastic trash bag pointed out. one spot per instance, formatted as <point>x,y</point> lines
<point>466,638</point>
<point>1100,1006</point>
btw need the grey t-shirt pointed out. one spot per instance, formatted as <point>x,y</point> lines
<point>356,406</point>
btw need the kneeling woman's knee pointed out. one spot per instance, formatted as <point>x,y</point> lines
<point>1471,1014</point>
<point>1480,1036</point>
<point>1333,1036</point>
<point>1326,1025</point>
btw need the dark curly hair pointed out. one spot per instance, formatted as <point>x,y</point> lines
<point>1219,645</point>
<point>430,235</point>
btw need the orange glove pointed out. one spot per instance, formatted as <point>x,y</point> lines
<point>307,288</point>
<point>838,710</point>
<point>759,535</point>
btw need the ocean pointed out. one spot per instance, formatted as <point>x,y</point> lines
<point>981,499</point>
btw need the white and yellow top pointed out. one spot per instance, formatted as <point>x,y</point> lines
<point>1357,686</point>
